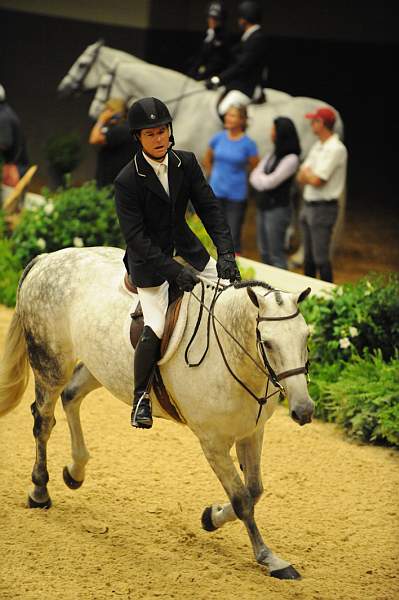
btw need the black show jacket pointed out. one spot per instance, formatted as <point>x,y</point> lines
<point>154,225</point>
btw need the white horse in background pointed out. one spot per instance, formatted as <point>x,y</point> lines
<point>94,62</point>
<point>75,337</point>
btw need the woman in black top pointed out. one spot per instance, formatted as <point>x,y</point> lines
<point>273,179</point>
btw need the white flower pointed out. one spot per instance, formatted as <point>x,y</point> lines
<point>78,242</point>
<point>48,208</point>
<point>344,342</point>
<point>340,291</point>
<point>353,332</point>
<point>41,243</point>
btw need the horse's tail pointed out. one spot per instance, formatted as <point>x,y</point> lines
<point>14,365</point>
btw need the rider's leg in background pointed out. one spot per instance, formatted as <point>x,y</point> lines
<point>154,304</point>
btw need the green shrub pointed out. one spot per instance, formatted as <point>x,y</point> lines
<point>362,397</point>
<point>10,269</point>
<point>358,318</point>
<point>64,151</point>
<point>77,216</point>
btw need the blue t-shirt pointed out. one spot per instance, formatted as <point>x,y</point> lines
<point>229,169</point>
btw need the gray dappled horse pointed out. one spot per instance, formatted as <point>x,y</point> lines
<point>71,325</point>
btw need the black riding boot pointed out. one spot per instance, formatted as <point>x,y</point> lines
<point>145,359</point>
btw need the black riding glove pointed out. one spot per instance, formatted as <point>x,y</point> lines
<point>227,267</point>
<point>212,83</point>
<point>186,279</point>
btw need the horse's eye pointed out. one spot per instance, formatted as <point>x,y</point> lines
<point>267,344</point>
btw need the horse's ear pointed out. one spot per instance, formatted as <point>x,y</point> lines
<point>304,294</point>
<point>252,296</point>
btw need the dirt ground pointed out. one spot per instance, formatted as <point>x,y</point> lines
<point>133,530</point>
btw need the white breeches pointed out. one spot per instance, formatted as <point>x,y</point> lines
<point>154,300</point>
<point>233,98</point>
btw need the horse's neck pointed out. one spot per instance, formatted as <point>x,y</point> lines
<point>235,312</point>
<point>110,57</point>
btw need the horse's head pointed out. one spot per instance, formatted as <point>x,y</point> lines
<point>282,337</point>
<point>80,76</point>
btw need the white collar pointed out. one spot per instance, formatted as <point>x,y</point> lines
<point>155,164</point>
<point>249,32</point>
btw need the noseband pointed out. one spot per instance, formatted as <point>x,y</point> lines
<point>276,378</point>
<point>269,372</point>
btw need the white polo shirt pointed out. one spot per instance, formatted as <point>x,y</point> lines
<point>328,161</point>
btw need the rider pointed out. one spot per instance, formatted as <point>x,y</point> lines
<point>246,74</point>
<point>214,54</point>
<point>151,194</point>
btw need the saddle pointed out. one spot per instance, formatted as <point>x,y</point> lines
<point>136,328</point>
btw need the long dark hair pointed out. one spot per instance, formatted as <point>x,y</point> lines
<point>287,140</point>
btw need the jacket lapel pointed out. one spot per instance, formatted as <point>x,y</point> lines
<point>148,177</point>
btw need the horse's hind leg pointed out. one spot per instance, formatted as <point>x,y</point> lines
<point>242,502</point>
<point>44,421</point>
<point>81,383</point>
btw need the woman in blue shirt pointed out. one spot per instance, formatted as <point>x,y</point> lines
<point>231,155</point>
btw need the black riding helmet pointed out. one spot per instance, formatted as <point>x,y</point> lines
<point>149,112</point>
<point>250,11</point>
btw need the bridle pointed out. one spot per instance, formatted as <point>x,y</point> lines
<point>271,375</point>
<point>79,80</point>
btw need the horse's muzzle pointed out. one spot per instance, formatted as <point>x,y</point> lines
<point>303,415</point>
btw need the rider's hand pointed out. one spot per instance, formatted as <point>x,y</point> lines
<point>227,267</point>
<point>186,279</point>
<point>212,83</point>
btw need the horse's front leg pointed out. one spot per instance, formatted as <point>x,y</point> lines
<point>243,498</point>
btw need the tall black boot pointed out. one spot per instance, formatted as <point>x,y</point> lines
<point>145,359</point>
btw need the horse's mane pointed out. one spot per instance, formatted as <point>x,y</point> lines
<point>253,283</point>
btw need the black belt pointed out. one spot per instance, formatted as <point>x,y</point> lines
<point>321,202</point>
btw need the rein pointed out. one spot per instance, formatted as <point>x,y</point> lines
<point>269,372</point>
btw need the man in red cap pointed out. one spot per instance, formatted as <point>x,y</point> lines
<point>323,175</point>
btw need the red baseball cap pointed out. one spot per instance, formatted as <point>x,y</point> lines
<point>327,115</point>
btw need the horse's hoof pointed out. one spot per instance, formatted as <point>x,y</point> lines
<point>33,504</point>
<point>70,481</point>
<point>206,520</point>
<point>286,573</point>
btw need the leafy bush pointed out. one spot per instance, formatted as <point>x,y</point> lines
<point>77,216</point>
<point>64,151</point>
<point>10,269</point>
<point>358,318</point>
<point>362,397</point>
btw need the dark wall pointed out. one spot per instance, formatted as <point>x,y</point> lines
<point>351,75</point>
<point>35,54</point>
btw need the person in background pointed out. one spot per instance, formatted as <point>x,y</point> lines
<point>111,134</point>
<point>13,152</point>
<point>246,73</point>
<point>323,175</point>
<point>229,157</point>
<point>214,54</point>
<point>273,179</point>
